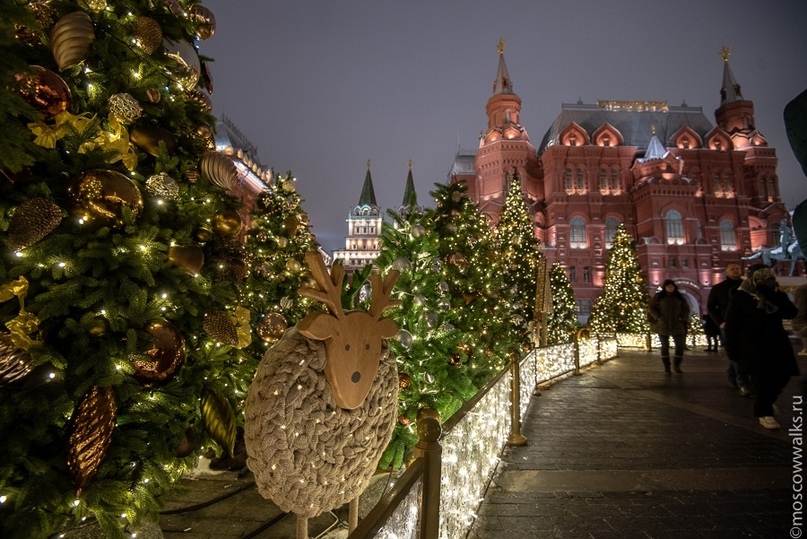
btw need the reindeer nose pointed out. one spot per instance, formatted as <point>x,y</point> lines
<point>356,377</point>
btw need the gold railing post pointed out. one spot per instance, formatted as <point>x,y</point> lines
<point>515,438</point>
<point>577,336</point>
<point>428,448</point>
<point>649,342</point>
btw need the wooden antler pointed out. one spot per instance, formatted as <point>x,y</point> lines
<point>381,293</point>
<point>330,292</point>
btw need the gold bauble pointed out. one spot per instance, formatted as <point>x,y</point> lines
<point>124,107</point>
<point>218,169</point>
<point>286,303</point>
<point>290,225</point>
<point>404,380</point>
<point>44,90</point>
<point>294,266</point>
<point>203,234</point>
<point>282,242</point>
<point>162,185</point>
<point>33,220</point>
<point>148,35</point>
<point>148,139</point>
<point>192,174</point>
<point>227,223</point>
<point>89,433</point>
<point>191,258</point>
<point>206,135</point>
<point>165,353</point>
<point>205,21</point>
<point>99,196</point>
<point>154,95</point>
<point>221,328</point>
<point>189,444</point>
<point>288,186</point>
<point>271,327</point>
<point>99,327</point>
<point>201,98</point>
<point>233,268</point>
<point>15,362</point>
<point>71,39</point>
<point>186,67</point>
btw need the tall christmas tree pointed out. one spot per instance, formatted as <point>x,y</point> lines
<point>622,306</point>
<point>563,319</point>
<point>520,251</point>
<point>120,361</point>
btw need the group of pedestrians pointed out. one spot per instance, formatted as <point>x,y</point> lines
<point>748,314</point>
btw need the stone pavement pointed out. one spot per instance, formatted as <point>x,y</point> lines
<point>625,451</point>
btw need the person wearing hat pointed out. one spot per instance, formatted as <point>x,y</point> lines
<point>671,310</point>
<point>757,340</point>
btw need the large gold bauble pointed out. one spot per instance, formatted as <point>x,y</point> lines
<point>218,169</point>
<point>205,21</point>
<point>124,107</point>
<point>148,138</point>
<point>33,220</point>
<point>166,352</point>
<point>98,197</point>
<point>227,223</point>
<point>147,34</point>
<point>294,266</point>
<point>44,90</point>
<point>191,258</point>
<point>221,328</point>
<point>186,67</point>
<point>71,39</point>
<point>89,433</point>
<point>271,327</point>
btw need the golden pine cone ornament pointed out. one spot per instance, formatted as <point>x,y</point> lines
<point>125,108</point>
<point>71,39</point>
<point>220,327</point>
<point>148,35</point>
<point>32,221</point>
<point>89,433</point>
<point>15,362</point>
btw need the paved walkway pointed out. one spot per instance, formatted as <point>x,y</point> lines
<point>625,451</point>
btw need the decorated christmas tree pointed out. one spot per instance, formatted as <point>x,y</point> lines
<point>120,359</point>
<point>520,251</point>
<point>622,306</point>
<point>563,319</point>
<point>277,243</point>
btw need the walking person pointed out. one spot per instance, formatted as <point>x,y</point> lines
<point>716,305</point>
<point>671,310</point>
<point>712,331</point>
<point>758,341</point>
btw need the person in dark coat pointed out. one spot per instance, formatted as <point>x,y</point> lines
<point>758,341</point>
<point>716,306</point>
<point>671,311</point>
<point>711,330</point>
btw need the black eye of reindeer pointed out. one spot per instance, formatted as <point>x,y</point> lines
<point>347,347</point>
<point>367,346</point>
<point>356,377</point>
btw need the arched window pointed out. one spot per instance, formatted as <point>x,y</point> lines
<point>614,180</point>
<point>716,183</point>
<point>727,188</point>
<point>580,180</point>
<point>675,227</point>
<point>603,180</point>
<point>728,238</point>
<point>567,180</point>
<point>577,233</point>
<point>611,224</point>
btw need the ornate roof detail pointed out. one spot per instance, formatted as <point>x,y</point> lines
<point>574,135</point>
<point>730,91</point>
<point>687,138</point>
<point>503,84</point>
<point>607,135</point>
<point>717,139</point>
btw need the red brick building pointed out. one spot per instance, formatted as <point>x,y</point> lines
<point>693,194</point>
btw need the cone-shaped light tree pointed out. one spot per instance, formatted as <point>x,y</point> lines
<point>119,356</point>
<point>622,306</point>
<point>563,319</point>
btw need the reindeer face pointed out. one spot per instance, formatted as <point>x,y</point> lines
<point>353,346</point>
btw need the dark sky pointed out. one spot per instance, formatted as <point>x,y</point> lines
<point>320,87</point>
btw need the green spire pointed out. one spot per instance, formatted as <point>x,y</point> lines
<point>367,197</point>
<point>410,197</point>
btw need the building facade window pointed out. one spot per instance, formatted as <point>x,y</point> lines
<point>580,180</point>
<point>586,274</point>
<point>728,238</point>
<point>603,180</point>
<point>577,233</point>
<point>611,224</point>
<point>583,307</point>
<point>614,180</point>
<point>572,274</point>
<point>675,227</point>
<point>567,180</point>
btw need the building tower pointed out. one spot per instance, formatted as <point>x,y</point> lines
<point>410,197</point>
<point>363,243</point>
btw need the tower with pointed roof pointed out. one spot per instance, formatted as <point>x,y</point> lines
<point>694,194</point>
<point>363,242</point>
<point>409,203</point>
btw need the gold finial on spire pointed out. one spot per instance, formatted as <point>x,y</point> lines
<point>725,52</point>
<point>653,128</point>
<point>410,163</point>
<point>500,46</point>
<point>369,164</point>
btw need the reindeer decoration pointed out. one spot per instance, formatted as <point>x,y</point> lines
<point>319,414</point>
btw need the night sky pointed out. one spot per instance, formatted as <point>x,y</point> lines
<point>320,87</point>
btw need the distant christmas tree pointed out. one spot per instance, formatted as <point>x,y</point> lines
<point>563,319</point>
<point>622,306</point>
<point>520,251</point>
<point>276,245</point>
<point>120,256</point>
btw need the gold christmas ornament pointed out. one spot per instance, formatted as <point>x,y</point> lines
<point>96,6</point>
<point>165,353</point>
<point>219,419</point>
<point>282,242</point>
<point>89,433</point>
<point>219,169</point>
<point>15,362</point>
<point>33,220</point>
<point>288,186</point>
<point>204,20</point>
<point>186,68</point>
<point>201,98</point>
<point>404,380</point>
<point>162,185</point>
<point>203,234</point>
<point>403,420</point>
<point>71,39</point>
<point>271,327</point>
<point>99,327</point>
<point>45,15</point>
<point>294,266</point>
<point>221,328</point>
<point>206,135</point>
<point>286,303</point>
<point>191,258</point>
<point>44,90</point>
<point>291,224</point>
<point>189,444</point>
<point>227,223</point>
<point>154,95</point>
<point>98,197</point>
<point>148,35</point>
<point>125,108</point>
<point>192,174</point>
<point>148,139</point>
<point>233,268</point>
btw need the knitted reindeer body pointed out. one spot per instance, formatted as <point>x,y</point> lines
<point>312,446</point>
